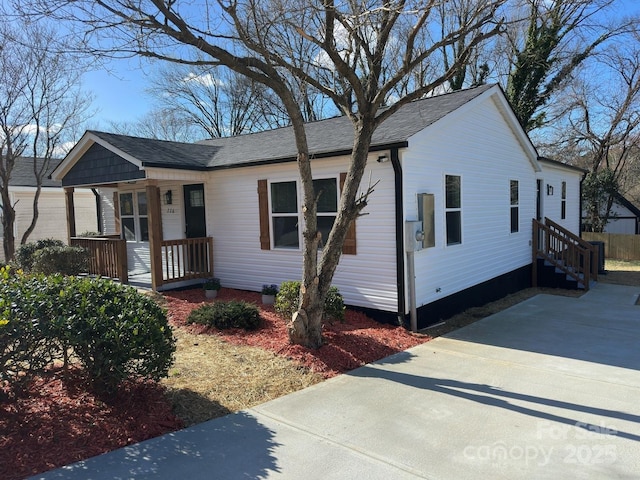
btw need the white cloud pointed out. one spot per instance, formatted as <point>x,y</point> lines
<point>206,80</point>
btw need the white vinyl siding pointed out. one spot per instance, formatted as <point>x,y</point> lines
<point>367,279</point>
<point>479,145</point>
<point>553,176</point>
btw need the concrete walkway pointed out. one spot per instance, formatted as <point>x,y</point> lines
<point>548,389</point>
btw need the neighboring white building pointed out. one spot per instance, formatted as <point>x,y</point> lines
<point>624,217</point>
<point>51,205</point>
<point>459,162</point>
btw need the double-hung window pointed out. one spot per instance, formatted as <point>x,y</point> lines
<point>515,205</point>
<point>327,205</point>
<point>563,202</point>
<point>286,216</point>
<point>453,209</point>
<point>133,216</point>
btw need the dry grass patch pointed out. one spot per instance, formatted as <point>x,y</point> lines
<point>621,272</point>
<point>211,378</point>
<point>477,313</point>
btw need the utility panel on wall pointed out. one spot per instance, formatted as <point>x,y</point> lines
<point>426,214</point>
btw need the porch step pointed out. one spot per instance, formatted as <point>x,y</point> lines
<point>549,275</point>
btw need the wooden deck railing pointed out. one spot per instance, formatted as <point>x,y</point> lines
<point>108,256</point>
<point>577,258</point>
<point>187,259</point>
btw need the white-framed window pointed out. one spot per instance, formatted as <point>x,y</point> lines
<point>453,209</point>
<point>286,215</point>
<point>133,216</point>
<point>515,205</point>
<point>563,202</point>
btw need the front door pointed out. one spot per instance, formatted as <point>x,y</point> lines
<point>195,224</point>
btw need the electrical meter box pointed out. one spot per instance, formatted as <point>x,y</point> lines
<point>413,236</point>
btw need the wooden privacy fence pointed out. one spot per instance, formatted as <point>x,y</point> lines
<point>108,256</point>
<point>617,246</point>
<point>186,259</point>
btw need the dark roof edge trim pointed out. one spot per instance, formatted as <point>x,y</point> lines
<point>625,202</point>
<point>560,164</point>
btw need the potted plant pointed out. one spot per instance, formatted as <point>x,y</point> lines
<point>269,293</point>
<point>211,287</point>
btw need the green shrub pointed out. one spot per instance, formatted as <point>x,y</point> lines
<point>288,298</point>
<point>232,314</point>
<point>113,330</point>
<point>116,332</point>
<point>24,254</point>
<point>26,348</point>
<point>60,259</point>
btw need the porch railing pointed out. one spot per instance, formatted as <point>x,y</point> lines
<point>567,252</point>
<point>108,256</point>
<point>186,259</point>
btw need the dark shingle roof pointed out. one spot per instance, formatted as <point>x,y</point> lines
<point>22,174</point>
<point>324,137</point>
<point>336,134</point>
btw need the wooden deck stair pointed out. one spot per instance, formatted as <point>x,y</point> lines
<point>561,259</point>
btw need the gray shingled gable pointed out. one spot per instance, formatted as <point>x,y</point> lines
<point>22,174</point>
<point>152,152</point>
<point>333,135</point>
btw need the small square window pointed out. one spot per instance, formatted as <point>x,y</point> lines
<point>196,198</point>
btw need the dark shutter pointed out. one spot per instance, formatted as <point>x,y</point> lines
<point>349,247</point>
<point>263,207</point>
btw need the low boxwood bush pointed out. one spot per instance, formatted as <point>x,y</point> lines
<point>114,331</point>
<point>232,314</point>
<point>60,259</point>
<point>288,298</point>
<point>26,346</point>
<point>24,253</point>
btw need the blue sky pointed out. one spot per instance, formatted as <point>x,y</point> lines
<point>119,89</point>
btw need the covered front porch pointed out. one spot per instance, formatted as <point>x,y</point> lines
<point>152,218</point>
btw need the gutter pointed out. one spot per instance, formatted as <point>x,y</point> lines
<point>400,283</point>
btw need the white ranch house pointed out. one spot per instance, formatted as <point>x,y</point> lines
<point>459,163</point>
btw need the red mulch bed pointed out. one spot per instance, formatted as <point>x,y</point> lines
<point>348,345</point>
<point>58,422</point>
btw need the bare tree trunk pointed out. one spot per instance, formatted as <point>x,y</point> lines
<point>8,220</point>
<point>305,327</point>
<point>34,218</point>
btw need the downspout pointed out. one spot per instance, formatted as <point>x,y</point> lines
<point>98,209</point>
<point>400,284</point>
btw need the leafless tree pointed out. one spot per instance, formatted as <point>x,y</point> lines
<point>547,43</point>
<point>223,102</point>
<point>354,53</point>
<point>602,129</point>
<point>39,105</point>
<point>162,124</point>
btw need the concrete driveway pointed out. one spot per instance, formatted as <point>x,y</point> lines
<point>548,389</point>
